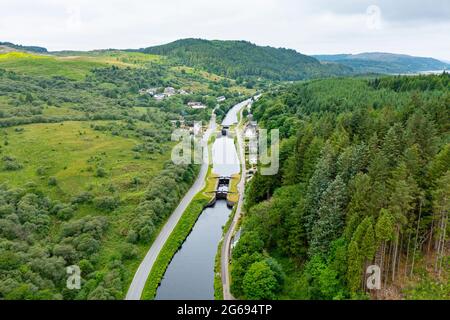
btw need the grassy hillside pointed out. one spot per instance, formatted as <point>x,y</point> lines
<point>41,65</point>
<point>73,66</point>
<point>13,46</point>
<point>375,62</point>
<point>236,59</point>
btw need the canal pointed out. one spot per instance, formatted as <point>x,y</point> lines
<point>190,275</point>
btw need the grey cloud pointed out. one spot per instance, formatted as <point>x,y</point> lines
<point>392,10</point>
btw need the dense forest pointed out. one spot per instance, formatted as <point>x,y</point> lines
<point>364,179</point>
<point>25,48</point>
<point>379,62</point>
<point>240,59</point>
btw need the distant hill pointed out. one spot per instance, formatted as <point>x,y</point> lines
<point>243,59</point>
<point>23,48</point>
<point>380,62</point>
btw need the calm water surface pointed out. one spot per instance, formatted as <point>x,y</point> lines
<point>190,274</point>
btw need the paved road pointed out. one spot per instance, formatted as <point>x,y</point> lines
<point>142,273</point>
<point>226,244</point>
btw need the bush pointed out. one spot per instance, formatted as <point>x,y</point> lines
<point>100,172</point>
<point>106,203</point>
<point>84,197</point>
<point>128,251</point>
<point>260,282</point>
<point>132,236</point>
<point>40,171</point>
<point>145,234</point>
<point>65,213</point>
<point>52,181</point>
<point>11,164</point>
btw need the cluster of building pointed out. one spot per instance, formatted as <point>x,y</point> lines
<point>200,105</point>
<point>196,105</point>
<point>162,93</point>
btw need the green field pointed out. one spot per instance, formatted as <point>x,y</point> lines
<point>40,65</point>
<point>73,66</point>
<point>71,152</point>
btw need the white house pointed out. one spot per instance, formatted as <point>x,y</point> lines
<point>159,96</point>
<point>169,91</point>
<point>250,132</point>
<point>150,91</point>
<point>197,128</point>
<point>221,99</point>
<point>196,105</point>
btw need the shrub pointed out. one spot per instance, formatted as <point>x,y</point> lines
<point>100,172</point>
<point>106,203</point>
<point>40,171</point>
<point>11,164</point>
<point>145,234</point>
<point>65,213</point>
<point>128,251</point>
<point>132,236</point>
<point>83,197</point>
<point>52,181</point>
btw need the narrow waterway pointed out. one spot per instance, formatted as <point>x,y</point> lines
<point>190,275</point>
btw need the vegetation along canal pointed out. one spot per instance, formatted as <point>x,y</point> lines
<point>190,275</point>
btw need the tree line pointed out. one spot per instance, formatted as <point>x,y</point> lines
<point>363,180</point>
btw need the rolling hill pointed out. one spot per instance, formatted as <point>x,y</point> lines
<point>243,59</point>
<point>23,48</point>
<point>380,62</point>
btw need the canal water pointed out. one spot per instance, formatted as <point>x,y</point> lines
<point>190,275</point>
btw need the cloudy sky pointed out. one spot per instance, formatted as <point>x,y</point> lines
<point>417,27</point>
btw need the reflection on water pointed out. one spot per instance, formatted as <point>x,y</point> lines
<point>190,275</point>
<point>225,158</point>
<point>231,117</point>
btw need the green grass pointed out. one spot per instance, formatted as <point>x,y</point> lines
<point>181,230</point>
<point>74,66</point>
<point>218,288</point>
<point>40,65</point>
<point>64,151</point>
<point>233,196</point>
<point>173,243</point>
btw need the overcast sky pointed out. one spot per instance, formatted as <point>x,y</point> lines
<point>416,27</point>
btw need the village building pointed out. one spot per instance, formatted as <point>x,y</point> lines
<point>152,91</point>
<point>159,96</point>
<point>196,105</point>
<point>177,123</point>
<point>149,91</point>
<point>183,92</point>
<point>251,130</point>
<point>169,91</point>
<point>197,128</point>
<point>221,99</point>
